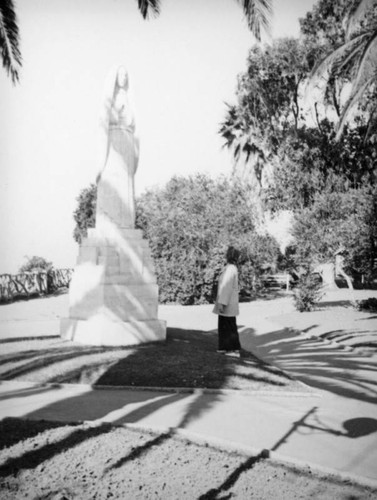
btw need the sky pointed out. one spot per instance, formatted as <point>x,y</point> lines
<point>183,68</point>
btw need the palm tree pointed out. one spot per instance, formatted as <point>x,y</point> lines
<point>257,13</point>
<point>9,40</point>
<point>355,59</point>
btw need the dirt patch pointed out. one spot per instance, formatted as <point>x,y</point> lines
<point>187,359</point>
<point>44,460</point>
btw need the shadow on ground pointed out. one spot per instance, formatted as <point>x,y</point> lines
<point>188,359</point>
<point>318,364</point>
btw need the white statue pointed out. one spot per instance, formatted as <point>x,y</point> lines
<point>115,192</point>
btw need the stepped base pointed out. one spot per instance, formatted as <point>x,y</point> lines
<point>113,295</point>
<point>101,330</point>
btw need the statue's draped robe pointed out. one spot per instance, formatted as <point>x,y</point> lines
<point>115,195</point>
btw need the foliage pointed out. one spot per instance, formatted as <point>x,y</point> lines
<point>267,99</point>
<point>257,13</point>
<point>308,292</point>
<point>322,27</point>
<point>189,224</point>
<point>322,31</point>
<point>85,213</point>
<point>36,264</point>
<point>313,161</point>
<point>356,59</point>
<point>326,179</point>
<point>9,40</point>
<point>337,219</point>
<point>369,304</point>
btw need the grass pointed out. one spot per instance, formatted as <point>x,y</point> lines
<point>188,359</point>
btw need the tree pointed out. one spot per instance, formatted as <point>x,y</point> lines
<point>189,223</point>
<point>9,40</point>
<point>35,265</point>
<point>313,161</point>
<point>267,99</point>
<point>257,13</point>
<point>355,59</point>
<point>85,213</point>
<point>334,220</point>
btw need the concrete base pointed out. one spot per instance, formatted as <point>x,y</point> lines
<point>113,294</point>
<point>100,330</point>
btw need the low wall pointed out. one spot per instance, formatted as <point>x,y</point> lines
<point>24,285</point>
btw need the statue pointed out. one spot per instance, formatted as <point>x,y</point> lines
<point>120,145</point>
<point>113,294</point>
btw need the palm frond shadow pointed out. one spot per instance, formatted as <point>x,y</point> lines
<point>44,360</point>
<point>24,430</point>
<point>141,450</point>
<point>213,494</point>
<point>33,458</point>
<point>319,365</point>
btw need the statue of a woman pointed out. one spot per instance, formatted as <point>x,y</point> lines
<point>115,191</point>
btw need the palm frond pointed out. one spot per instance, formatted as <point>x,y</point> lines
<point>357,13</point>
<point>366,76</point>
<point>9,40</point>
<point>333,62</point>
<point>339,55</point>
<point>147,6</point>
<point>367,65</point>
<point>372,124</point>
<point>351,102</point>
<point>258,15</point>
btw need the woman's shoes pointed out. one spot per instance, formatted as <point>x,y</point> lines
<point>233,354</point>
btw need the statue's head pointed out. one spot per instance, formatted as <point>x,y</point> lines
<point>116,79</point>
<point>122,78</point>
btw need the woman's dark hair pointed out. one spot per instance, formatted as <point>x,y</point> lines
<point>232,255</point>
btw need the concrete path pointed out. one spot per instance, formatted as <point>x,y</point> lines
<point>335,427</point>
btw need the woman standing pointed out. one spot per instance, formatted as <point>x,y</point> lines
<point>226,305</point>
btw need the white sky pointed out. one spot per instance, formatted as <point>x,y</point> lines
<point>183,67</point>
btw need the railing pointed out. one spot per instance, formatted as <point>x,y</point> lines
<point>25,285</point>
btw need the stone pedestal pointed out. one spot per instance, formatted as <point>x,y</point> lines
<point>113,295</point>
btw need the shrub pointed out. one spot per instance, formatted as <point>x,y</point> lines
<point>36,264</point>
<point>85,213</point>
<point>308,292</point>
<point>189,224</point>
<point>369,304</point>
<point>337,219</point>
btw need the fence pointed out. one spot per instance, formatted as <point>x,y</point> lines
<point>26,285</point>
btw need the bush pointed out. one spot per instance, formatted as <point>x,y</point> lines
<point>189,224</point>
<point>337,219</point>
<point>308,292</point>
<point>85,213</point>
<point>369,304</point>
<point>36,264</point>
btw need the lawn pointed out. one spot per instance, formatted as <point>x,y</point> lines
<point>188,359</point>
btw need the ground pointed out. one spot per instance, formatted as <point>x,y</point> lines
<point>82,460</point>
<point>63,462</point>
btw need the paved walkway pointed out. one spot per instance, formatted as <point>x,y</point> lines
<point>333,427</point>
